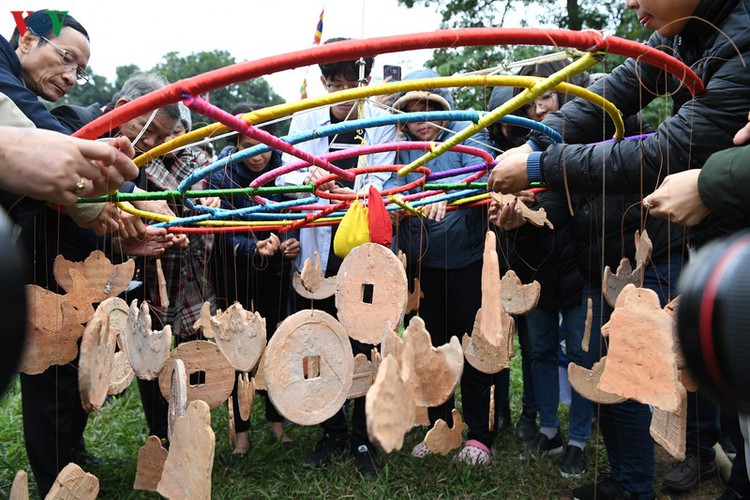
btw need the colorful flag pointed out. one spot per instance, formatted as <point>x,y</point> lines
<point>319,29</point>
<point>316,41</point>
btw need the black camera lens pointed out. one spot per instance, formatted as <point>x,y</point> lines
<point>12,302</point>
<point>713,319</point>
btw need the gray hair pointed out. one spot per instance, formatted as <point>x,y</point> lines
<point>141,84</point>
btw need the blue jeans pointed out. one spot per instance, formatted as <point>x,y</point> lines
<point>541,328</point>
<point>625,426</point>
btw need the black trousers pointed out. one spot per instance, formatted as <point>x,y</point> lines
<point>53,421</point>
<point>449,307</point>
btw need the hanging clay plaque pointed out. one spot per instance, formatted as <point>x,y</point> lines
<point>151,458</point>
<point>95,361</point>
<point>147,349</point>
<point>362,378</point>
<point>492,337</point>
<point>389,407</point>
<point>641,361</point>
<point>372,290</point>
<point>72,483</point>
<point>437,370</point>
<point>612,284</point>
<point>19,490</point>
<point>210,376</point>
<point>241,336</point>
<point>178,398</point>
<point>517,297</point>
<point>245,395</point>
<point>53,331</point>
<point>441,439</point>
<point>121,375</point>
<point>586,382</point>
<point>669,429</point>
<point>308,367</point>
<point>412,303</point>
<point>310,283</point>
<point>537,218</point>
<point>189,464</point>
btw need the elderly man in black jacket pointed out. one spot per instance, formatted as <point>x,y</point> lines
<point>699,126</point>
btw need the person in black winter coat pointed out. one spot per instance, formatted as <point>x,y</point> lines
<point>713,37</point>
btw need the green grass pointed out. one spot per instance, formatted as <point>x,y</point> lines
<point>268,471</point>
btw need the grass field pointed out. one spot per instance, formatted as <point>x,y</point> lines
<point>119,429</point>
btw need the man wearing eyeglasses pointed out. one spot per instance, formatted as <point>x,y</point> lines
<point>39,63</point>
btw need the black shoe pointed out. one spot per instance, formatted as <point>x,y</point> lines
<point>366,461</point>
<point>685,475</point>
<point>606,489</point>
<point>526,427</point>
<point>325,450</point>
<point>542,445</point>
<point>572,463</point>
<point>503,419</point>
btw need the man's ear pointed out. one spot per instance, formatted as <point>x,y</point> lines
<point>121,102</point>
<point>323,81</point>
<point>26,41</point>
<point>369,79</point>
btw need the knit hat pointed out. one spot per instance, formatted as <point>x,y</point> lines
<point>421,95</point>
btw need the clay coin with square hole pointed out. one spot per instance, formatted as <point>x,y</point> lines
<point>308,367</point>
<point>210,376</point>
<point>372,290</point>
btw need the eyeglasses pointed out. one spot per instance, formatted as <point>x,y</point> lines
<point>544,101</point>
<point>342,85</point>
<point>69,62</point>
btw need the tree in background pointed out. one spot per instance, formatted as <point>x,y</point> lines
<point>608,15</point>
<point>175,67</point>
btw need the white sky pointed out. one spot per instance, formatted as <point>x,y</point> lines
<point>141,32</point>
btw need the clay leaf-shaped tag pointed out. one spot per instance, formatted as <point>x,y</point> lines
<point>536,217</point>
<point>310,283</point>
<point>188,468</point>
<point>517,297</point>
<point>151,458</point>
<point>612,284</point>
<point>53,331</point>
<point>441,439</point>
<point>73,482</point>
<point>245,395</point>
<point>240,335</point>
<point>437,370</point>
<point>586,382</point>
<point>95,361</point>
<point>389,407</point>
<point>412,303</point>
<point>103,277</point>
<point>147,349</point>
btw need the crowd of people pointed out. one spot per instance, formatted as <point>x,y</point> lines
<point>594,197</point>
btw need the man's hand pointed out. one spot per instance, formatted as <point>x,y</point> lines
<point>509,176</point>
<point>210,201</point>
<point>435,211</point>
<point>153,243</point>
<point>47,165</point>
<point>108,220</point>
<point>318,173</point>
<point>743,135</point>
<point>290,248</point>
<point>268,247</point>
<point>506,216</point>
<point>678,200</point>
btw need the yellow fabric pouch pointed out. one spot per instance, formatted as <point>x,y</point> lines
<point>354,230</point>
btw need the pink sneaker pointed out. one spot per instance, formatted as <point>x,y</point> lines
<point>475,454</point>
